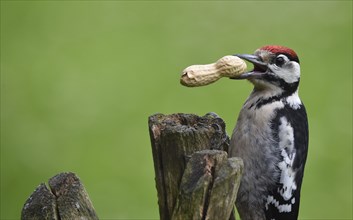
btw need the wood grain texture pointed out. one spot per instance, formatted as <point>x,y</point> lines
<point>186,174</point>
<point>65,198</point>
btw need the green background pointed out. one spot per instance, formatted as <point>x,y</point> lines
<point>79,80</point>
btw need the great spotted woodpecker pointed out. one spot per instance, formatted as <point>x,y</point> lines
<point>271,136</point>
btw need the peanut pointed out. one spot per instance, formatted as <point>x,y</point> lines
<point>201,75</point>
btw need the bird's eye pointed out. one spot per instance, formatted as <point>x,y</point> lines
<point>279,61</point>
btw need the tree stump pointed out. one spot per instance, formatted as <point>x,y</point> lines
<point>195,179</point>
<point>66,198</point>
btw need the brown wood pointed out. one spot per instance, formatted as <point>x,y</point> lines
<point>66,198</point>
<point>175,138</point>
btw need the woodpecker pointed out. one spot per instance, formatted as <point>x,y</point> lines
<point>271,136</point>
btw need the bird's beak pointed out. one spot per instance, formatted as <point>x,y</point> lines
<point>260,68</point>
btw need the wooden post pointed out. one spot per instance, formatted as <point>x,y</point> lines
<point>66,198</point>
<point>195,179</point>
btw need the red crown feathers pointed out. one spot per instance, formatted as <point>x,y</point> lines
<point>280,50</point>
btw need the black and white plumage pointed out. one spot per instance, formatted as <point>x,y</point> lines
<point>271,136</point>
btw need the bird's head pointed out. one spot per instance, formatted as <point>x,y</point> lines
<point>275,67</point>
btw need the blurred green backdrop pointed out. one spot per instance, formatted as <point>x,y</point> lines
<point>79,80</point>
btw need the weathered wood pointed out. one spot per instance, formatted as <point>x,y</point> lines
<point>40,205</point>
<point>209,186</point>
<point>174,139</point>
<point>196,184</point>
<point>225,186</point>
<point>66,199</point>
